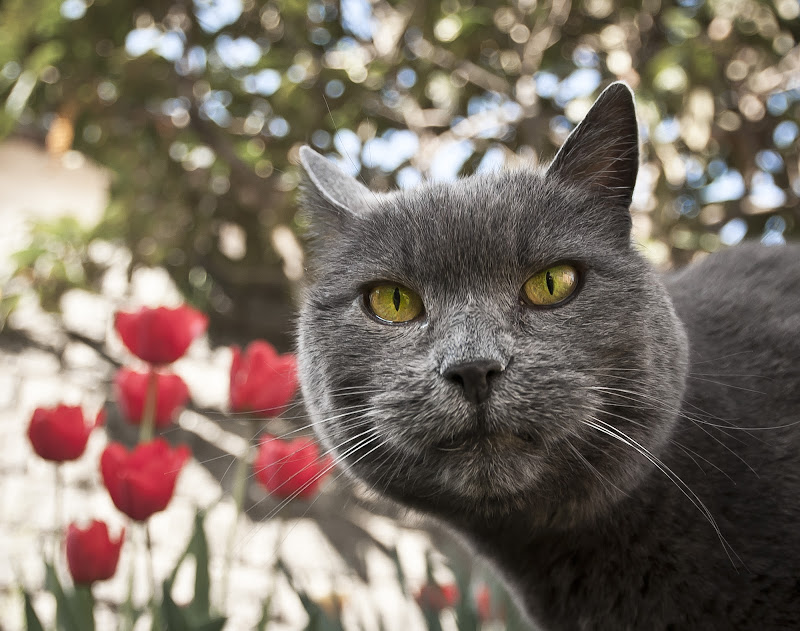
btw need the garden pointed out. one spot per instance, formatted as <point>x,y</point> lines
<point>159,469</point>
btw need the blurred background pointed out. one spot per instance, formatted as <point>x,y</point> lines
<point>149,154</point>
<point>194,113</point>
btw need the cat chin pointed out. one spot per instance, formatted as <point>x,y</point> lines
<point>502,472</point>
<point>477,479</point>
<point>491,472</point>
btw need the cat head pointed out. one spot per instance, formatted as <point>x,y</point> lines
<point>465,346</point>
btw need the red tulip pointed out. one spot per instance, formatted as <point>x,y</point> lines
<point>290,468</point>
<point>91,554</point>
<point>161,335</point>
<point>142,482</point>
<point>60,433</point>
<point>432,597</point>
<point>130,390</point>
<point>262,380</point>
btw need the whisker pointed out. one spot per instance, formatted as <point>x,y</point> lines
<point>615,433</point>
<point>305,512</point>
<point>259,414</point>
<point>324,471</point>
<point>728,385</point>
<point>313,480</point>
<point>665,405</point>
<point>591,468</point>
<point>683,447</point>
<point>319,457</point>
<point>699,423</point>
<point>692,454</point>
<point>716,359</point>
<point>649,386</point>
<point>278,437</point>
<point>648,371</point>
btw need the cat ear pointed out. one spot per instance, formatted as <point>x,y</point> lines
<point>329,194</point>
<point>602,152</point>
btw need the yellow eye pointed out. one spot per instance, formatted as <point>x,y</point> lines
<point>551,286</point>
<point>394,303</point>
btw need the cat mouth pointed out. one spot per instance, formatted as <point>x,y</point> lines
<point>470,441</point>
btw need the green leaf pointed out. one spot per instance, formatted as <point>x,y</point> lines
<point>429,568</point>
<point>53,585</point>
<point>7,305</point>
<point>74,609</point>
<point>173,615</point>
<point>398,566</point>
<point>197,615</point>
<point>183,619</point>
<point>32,622</point>
<point>318,619</point>
<point>28,257</point>
<point>314,613</point>
<point>213,624</point>
<point>432,622</point>
<point>198,547</point>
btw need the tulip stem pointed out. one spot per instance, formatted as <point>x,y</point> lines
<point>238,493</point>
<point>58,510</point>
<point>150,570</point>
<point>155,601</point>
<point>127,610</point>
<point>148,422</point>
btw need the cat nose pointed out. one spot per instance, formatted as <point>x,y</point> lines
<point>474,377</point>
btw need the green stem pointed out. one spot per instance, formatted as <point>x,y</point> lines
<point>238,492</point>
<point>127,610</point>
<point>155,601</point>
<point>150,570</point>
<point>84,607</point>
<point>148,422</point>
<point>58,515</point>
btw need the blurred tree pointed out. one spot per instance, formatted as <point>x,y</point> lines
<point>199,108</point>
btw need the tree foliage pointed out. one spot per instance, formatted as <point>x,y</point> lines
<point>199,109</point>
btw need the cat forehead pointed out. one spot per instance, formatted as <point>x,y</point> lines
<point>521,207</point>
<point>482,226</point>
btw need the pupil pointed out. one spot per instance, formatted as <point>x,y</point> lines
<point>550,282</point>
<point>396,298</point>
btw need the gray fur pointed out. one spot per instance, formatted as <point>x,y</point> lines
<point>587,529</point>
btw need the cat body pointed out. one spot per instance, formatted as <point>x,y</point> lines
<point>654,561</point>
<point>609,453</point>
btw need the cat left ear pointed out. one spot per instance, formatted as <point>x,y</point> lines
<point>602,152</point>
<point>329,194</point>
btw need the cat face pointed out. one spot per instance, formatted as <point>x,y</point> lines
<point>484,401</point>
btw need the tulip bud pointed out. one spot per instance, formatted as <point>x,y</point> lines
<point>142,482</point>
<point>290,468</point>
<point>59,434</point>
<point>261,380</point>
<point>160,335</point>
<point>91,554</point>
<point>130,391</point>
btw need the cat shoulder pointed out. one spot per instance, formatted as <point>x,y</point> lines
<point>747,273</point>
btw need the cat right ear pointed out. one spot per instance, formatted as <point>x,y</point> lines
<point>602,152</point>
<point>330,196</point>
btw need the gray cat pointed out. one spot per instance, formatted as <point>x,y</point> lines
<point>494,352</point>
